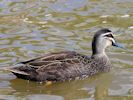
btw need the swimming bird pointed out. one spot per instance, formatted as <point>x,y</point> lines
<point>68,65</point>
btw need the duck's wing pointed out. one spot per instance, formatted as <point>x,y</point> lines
<point>51,58</point>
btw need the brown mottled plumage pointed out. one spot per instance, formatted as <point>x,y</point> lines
<point>67,65</point>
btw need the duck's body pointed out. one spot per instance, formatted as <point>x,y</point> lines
<point>66,65</point>
<point>61,66</point>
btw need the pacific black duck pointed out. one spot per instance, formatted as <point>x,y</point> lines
<point>68,65</point>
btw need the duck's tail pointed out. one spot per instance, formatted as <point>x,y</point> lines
<point>14,70</point>
<point>22,73</point>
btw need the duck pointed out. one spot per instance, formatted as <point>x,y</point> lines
<point>68,65</point>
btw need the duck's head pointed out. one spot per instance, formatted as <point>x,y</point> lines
<point>103,39</point>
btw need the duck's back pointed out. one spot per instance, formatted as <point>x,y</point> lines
<point>61,66</point>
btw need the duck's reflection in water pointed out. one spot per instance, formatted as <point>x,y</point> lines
<point>96,88</point>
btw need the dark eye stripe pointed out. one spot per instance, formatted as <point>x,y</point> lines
<point>109,35</point>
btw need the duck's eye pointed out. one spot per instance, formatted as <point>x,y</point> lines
<point>109,35</point>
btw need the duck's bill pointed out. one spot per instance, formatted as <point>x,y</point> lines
<point>119,45</point>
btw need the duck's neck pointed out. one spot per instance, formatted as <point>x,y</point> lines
<point>100,56</point>
<point>98,50</point>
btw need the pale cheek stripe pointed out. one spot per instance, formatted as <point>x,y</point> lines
<point>111,39</point>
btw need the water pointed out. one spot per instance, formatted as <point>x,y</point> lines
<point>30,28</point>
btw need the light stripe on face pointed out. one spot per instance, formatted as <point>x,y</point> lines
<point>112,39</point>
<point>109,33</point>
<point>109,36</point>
